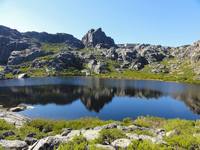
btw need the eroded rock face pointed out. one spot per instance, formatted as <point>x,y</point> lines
<point>97,38</point>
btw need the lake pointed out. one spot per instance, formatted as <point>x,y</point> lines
<point>77,97</point>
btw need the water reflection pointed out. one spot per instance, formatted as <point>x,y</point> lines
<point>94,94</point>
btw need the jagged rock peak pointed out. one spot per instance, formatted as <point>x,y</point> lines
<point>97,38</point>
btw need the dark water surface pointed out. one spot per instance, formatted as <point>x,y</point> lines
<point>76,97</point>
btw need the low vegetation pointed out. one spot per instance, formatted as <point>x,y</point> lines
<point>109,135</point>
<point>185,134</point>
<point>54,47</point>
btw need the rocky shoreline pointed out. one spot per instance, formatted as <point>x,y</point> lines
<point>110,136</point>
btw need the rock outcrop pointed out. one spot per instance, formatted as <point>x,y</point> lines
<point>70,40</point>
<point>13,118</point>
<point>18,57</point>
<point>97,38</point>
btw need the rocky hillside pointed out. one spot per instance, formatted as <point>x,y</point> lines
<point>44,54</point>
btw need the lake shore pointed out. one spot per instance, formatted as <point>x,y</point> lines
<point>141,133</point>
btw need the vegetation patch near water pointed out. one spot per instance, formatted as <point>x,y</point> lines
<point>180,134</point>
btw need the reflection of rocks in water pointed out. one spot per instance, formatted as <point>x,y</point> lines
<point>93,97</point>
<point>95,100</point>
<point>191,97</point>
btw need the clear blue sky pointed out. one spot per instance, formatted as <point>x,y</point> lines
<point>166,22</point>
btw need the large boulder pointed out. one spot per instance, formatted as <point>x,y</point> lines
<point>97,38</point>
<point>7,45</point>
<point>18,57</point>
<point>13,145</point>
<point>152,53</point>
<point>65,60</point>
<point>97,67</point>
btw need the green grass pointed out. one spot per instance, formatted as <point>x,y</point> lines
<point>55,47</point>
<point>183,138</point>
<point>147,145</point>
<point>110,135</point>
<point>78,143</point>
<point>43,128</point>
<point>1,68</point>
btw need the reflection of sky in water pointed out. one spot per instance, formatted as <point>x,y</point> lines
<point>104,98</point>
<point>119,108</point>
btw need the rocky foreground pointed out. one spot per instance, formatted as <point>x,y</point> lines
<point>21,133</point>
<point>34,54</point>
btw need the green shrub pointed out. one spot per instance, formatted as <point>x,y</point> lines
<point>127,121</point>
<point>1,148</point>
<point>109,135</point>
<point>185,141</point>
<point>78,143</point>
<point>178,124</point>
<point>143,132</point>
<point>149,121</point>
<point>146,145</point>
<point>5,126</point>
<point>57,126</point>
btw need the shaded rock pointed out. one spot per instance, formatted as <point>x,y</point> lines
<point>13,145</point>
<point>49,143</point>
<point>97,67</point>
<point>65,60</point>
<point>121,143</point>
<point>66,131</point>
<point>159,68</point>
<point>30,140</point>
<point>18,108</point>
<point>31,135</point>
<point>97,38</point>
<point>18,57</point>
<point>8,133</point>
